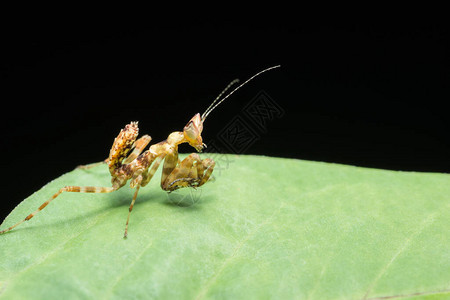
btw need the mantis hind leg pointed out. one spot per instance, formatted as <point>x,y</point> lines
<point>73,189</point>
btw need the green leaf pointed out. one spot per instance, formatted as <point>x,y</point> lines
<point>266,228</point>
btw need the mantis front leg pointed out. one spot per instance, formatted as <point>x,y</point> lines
<point>191,172</point>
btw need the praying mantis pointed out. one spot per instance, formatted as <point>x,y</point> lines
<point>127,160</point>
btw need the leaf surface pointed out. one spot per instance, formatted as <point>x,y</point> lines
<point>265,228</point>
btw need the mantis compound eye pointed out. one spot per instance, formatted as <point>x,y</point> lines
<point>190,131</point>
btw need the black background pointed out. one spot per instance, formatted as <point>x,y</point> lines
<point>371,95</point>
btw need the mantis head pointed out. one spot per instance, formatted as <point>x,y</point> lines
<point>193,132</point>
<point>193,129</point>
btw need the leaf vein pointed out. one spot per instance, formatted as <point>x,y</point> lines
<point>60,246</point>
<point>130,267</point>
<point>411,295</point>
<point>236,250</point>
<point>429,220</point>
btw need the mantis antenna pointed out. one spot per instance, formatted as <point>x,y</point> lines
<point>214,104</point>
